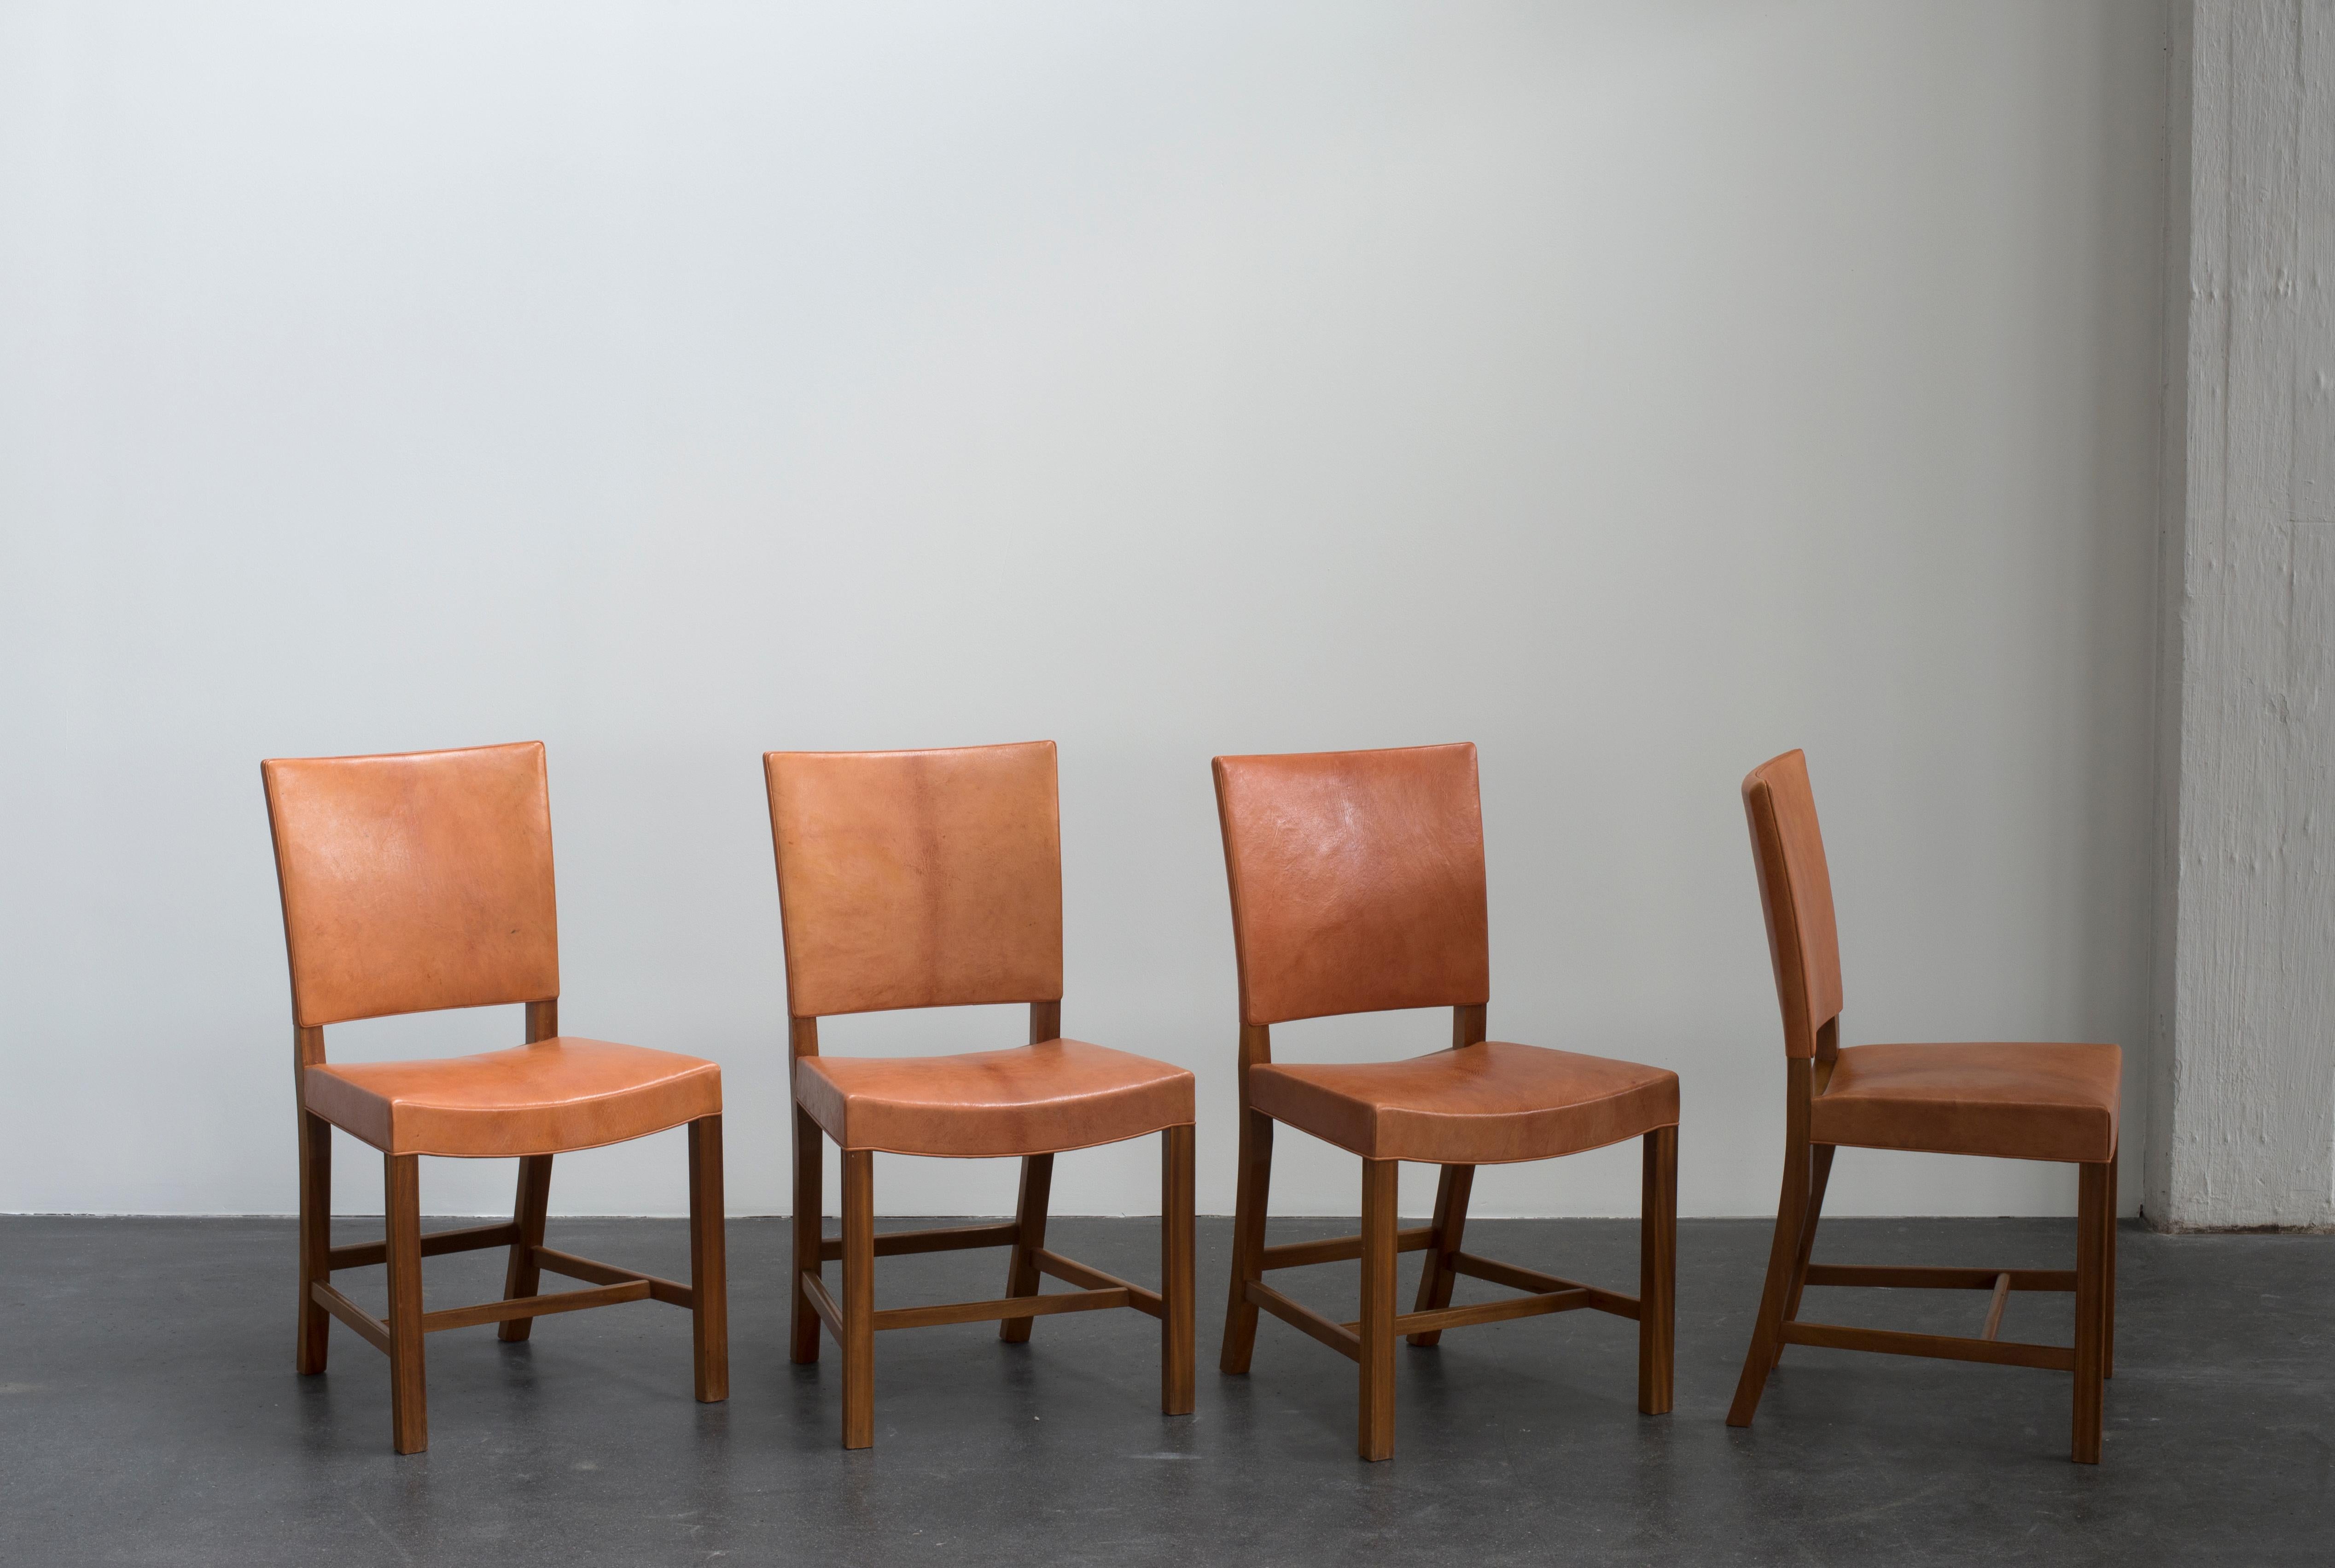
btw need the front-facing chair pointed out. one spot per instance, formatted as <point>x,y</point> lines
<point>934,879</point>
<point>1358,886</point>
<point>2040,1101</point>
<point>417,883</point>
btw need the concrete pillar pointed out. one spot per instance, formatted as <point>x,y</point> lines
<point>2242,1118</point>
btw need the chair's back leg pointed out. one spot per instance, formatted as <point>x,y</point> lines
<point>2091,1309</point>
<point>1820,1164</point>
<point>1658,1271</point>
<point>315,1240</point>
<point>409,1404</point>
<point>2107,1330</point>
<point>809,1203</point>
<point>709,1283</point>
<point>1374,1435</point>
<point>1437,1277</point>
<point>1256,1184</point>
<point>1030,1236</point>
<point>521,1275</point>
<point>1766,1331</point>
<point>1176,1267</point>
<point>858,1298</point>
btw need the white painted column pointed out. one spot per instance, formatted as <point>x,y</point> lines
<point>2241,1124</point>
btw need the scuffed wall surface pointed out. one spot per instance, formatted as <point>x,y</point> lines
<point>2249,1129</point>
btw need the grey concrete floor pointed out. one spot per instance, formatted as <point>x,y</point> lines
<point>148,1414</point>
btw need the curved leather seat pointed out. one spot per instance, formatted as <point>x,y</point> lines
<point>1485,1103</point>
<point>2044,1100</point>
<point>1042,1098</point>
<point>934,878</point>
<point>2007,1100</point>
<point>550,1097</point>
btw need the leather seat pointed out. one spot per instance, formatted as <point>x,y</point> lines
<point>555,1095</point>
<point>2007,1101</point>
<point>1042,1098</point>
<point>1358,886</point>
<point>2041,1101</point>
<point>934,879</point>
<point>421,883</point>
<point>1485,1104</point>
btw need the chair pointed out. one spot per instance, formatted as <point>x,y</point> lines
<point>422,882</point>
<point>934,879</point>
<point>2010,1101</point>
<point>1358,886</point>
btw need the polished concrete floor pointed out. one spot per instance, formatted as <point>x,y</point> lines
<point>148,1414</point>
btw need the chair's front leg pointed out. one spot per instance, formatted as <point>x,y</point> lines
<point>315,1331</point>
<point>409,1404</point>
<point>1030,1235</point>
<point>522,1276</point>
<point>809,1175</point>
<point>2092,1243</point>
<point>709,1285</point>
<point>858,1298</point>
<point>1658,1271</point>
<point>1375,1435</point>
<point>1176,1266</point>
<point>1255,1179</point>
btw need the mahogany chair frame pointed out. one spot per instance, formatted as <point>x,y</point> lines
<point>1369,1341</point>
<point>400,1335</point>
<point>1796,898</point>
<point>910,880</point>
<point>422,883</point>
<point>854,1319</point>
<point>1807,1168</point>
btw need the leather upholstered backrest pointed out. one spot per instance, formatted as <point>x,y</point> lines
<point>414,882</point>
<point>1357,881</point>
<point>1795,894</point>
<point>917,878</point>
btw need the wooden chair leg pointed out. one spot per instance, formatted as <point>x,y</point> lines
<point>858,1335</point>
<point>522,1277</point>
<point>1821,1164</point>
<point>1256,1186</point>
<point>1176,1352</point>
<point>313,1335</point>
<point>2107,1334</point>
<point>709,1283</point>
<point>2091,1310</point>
<point>1030,1218</point>
<point>1766,1331</point>
<point>1438,1276</point>
<point>1375,1434</point>
<point>1658,1271</point>
<point>409,1405</point>
<point>808,1202</point>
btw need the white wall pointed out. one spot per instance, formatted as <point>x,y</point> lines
<point>2244,1118</point>
<point>1637,391</point>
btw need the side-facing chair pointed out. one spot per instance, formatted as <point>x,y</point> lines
<point>1358,886</point>
<point>2012,1101</point>
<point>416,883</point>
<point>934,879</point>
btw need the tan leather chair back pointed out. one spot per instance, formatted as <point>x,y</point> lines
<point>1795,894</point>
<point>917,878</point>
<point>1357,881</point>
<point>414,882</point>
